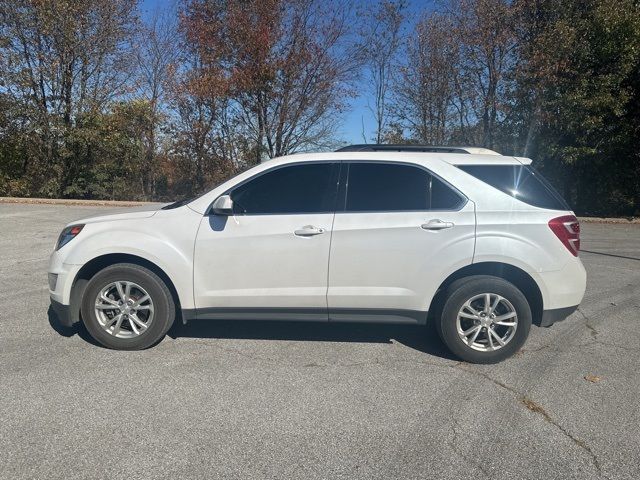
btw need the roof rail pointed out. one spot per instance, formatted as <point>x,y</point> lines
<point>379,147</point>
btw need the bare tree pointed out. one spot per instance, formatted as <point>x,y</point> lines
<point>381,39</point>
<point>157,55</point>
<point>294,107</point>
<point>282,64</point>
<point>425,92</point>
<point>457,78</point>
<point>485,33</point>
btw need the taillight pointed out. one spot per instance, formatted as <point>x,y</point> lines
<point>567,229</point>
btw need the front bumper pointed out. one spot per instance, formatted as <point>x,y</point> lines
<point>64,297</point>
<point>61,276</point>
<point>63,312</point>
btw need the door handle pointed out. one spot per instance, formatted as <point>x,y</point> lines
<point>308,231</point>
<point>436,224</point>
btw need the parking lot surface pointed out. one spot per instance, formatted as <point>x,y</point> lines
<point>283,400</point>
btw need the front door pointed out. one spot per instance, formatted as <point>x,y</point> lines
<point>270,259</point>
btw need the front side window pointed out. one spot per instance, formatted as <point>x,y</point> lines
<point>293,189</point>
<point>384,187</point>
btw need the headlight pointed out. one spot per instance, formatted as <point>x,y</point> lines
<point>68,234</point>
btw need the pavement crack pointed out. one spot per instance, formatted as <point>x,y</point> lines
<point>454,445</point>
<point>378,362</point>
<point>524,351</point>
<point>536,408</point>
<point>462,367</point>
<point>607,344</point>
<point>594,332</point>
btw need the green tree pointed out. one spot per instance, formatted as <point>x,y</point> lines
<point>578,97</point>
<point>62,62</point>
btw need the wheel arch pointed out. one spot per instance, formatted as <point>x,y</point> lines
<point>515,275</point>
<point>98,263</point>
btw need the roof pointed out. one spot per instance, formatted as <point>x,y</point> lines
<point>456,158</point>
<point>396,147</point>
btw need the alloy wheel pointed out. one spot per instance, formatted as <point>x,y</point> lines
<point>124,309</point>
<point>487,322</point>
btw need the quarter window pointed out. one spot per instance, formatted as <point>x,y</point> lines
<point>521,182</point>
<point>442,196</point>
<point>396,187</point>
<point>308,188</point>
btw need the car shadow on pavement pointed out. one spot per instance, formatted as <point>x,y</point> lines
<point>421,338</point>
<point>78,329</point>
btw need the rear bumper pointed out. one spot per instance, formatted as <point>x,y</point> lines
<point>549,317</point>
<point>563,288</point>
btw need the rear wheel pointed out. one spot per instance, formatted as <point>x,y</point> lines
<point>127,307</point>
<point>484,319</point>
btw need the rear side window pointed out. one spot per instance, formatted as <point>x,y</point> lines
<point>309,188</point>
<point>519,181</point>
<point>383,187</point>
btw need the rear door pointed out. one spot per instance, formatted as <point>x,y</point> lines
<point>398,231</point>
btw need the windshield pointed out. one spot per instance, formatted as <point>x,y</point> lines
<point>180,203</point>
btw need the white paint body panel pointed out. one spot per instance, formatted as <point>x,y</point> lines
<point>363,260</point>
<point>256,261</point>
<point>387,261</point>
<point>163,237</point>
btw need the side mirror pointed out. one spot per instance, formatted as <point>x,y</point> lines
<point>223,205</point>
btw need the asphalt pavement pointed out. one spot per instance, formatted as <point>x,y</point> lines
<point>254,400</point>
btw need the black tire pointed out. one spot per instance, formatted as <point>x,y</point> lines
<point>466,288</point>
<point>163,306</point>
<point>440,299</point>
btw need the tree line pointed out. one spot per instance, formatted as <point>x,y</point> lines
<point>98,100</point>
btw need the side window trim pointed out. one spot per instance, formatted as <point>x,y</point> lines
<point>343,185</point>
<point>463,198</point>
<point>335,164</point>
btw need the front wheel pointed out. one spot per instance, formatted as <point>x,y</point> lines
<point>484,319</point>
<point>127,307</point>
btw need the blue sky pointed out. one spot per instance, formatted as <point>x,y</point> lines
<point>358,113</point>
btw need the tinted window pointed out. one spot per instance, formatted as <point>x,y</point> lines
<point>395,187</point>
<point>442,196</point>
<point>307,188</point>
<point>521,182</point>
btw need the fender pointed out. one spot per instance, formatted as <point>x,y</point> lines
<point>164,244</point>
<point>522,250</point>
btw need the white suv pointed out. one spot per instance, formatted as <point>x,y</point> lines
<point>365,234</point>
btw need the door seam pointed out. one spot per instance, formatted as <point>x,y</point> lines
<point>333,221</point>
